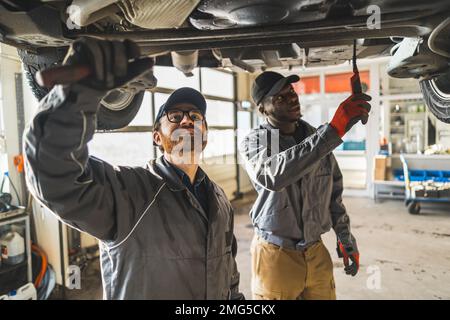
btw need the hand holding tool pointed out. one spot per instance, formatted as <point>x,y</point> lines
<point>355,107</point>
<point>62,75</point>
<point>355,80</point>
<point>101,64</point>
<point>350,269</point>
<point>349,112</point>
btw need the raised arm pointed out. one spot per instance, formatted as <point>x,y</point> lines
<point>83,191</point>
<point>274,170</point>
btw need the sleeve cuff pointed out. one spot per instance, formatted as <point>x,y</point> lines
<point>330,136</point>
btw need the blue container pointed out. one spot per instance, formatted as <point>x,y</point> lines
<point>354,145</point>
<point>423,175</point>
<point>446,175</point>
<point>398,174</point>
<point>417,175</point>
<point>433,174</point>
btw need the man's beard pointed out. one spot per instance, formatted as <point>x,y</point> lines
<point>184,144</point>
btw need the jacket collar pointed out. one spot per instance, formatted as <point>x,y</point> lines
<point>173,181</point>
<point>199,176</point>
<point>165,170</point>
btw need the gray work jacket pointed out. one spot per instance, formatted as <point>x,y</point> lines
<point>156,241</point>
<point>296,181</point>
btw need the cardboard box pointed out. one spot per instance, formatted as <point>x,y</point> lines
<point>380,166</point>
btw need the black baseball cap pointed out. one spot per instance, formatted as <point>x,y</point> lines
<point>183,95</point>
<point>270,83</point>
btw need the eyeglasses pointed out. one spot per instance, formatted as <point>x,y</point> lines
<point>176,116</point>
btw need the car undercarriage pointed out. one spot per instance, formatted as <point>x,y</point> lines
<point>251,35</point>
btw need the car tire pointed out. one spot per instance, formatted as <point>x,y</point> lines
<point>116,113</point>
<point>117,109</point>
<point>436,93</point>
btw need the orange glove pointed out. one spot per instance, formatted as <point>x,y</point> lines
<point>354,257</point>
<point>350,111</point>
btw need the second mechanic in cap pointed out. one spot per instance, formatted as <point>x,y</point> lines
<point>166,230</point>
<point>299,188</point>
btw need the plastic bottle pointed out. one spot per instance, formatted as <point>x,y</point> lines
<point>26,292</point>
<point>12,248</point>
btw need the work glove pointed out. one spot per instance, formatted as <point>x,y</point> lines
<point>355,108</point>
<point>348,253</point>
<point>114,64</point>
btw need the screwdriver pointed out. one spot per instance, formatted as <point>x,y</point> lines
<point>355,81</point>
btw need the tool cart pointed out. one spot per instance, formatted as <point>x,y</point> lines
<point>424,186</point>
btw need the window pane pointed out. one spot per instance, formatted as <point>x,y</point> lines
<point>244,120</point>
<point>171,78</point>
<point>311,107</point>
<point>258,118</point>
<point>307,85</point>
<point>338,83</point>
<point>160,99</point>
<point>220,142</point>
<point>119,148</point>
<point>144,115</point>
<point>243,125</point>
<point>219,113</point>
<point>217,83</point>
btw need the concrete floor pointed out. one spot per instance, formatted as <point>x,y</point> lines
<point>402,256</point>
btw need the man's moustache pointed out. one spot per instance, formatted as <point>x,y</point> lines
<point>182,131</point>
<point>196,130</point>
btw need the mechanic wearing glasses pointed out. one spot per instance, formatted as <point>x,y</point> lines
<point>165,231</point>
<point>299,188</point>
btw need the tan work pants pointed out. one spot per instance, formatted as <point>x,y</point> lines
<point>287,274</point>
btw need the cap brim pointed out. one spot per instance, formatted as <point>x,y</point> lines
<point>281,84</point>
